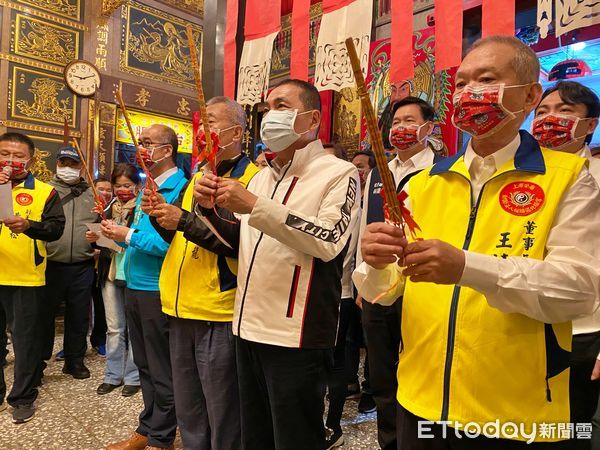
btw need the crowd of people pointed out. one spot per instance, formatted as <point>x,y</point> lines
<point>239,300</point>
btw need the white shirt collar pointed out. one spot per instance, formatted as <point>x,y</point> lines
<point>421,160</point>
<point>159,180</point>
<point>501,156</point>
<point>585,152</point>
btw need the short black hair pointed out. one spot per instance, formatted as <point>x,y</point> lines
<point>101,180</point>
<point>369,155</point>
<point>427,110</point>
<point>19,138</point>
<point>574,93</point>
<point>310,97</point>
<point>126,170</point>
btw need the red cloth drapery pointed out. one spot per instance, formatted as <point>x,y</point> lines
<point>448,33</point>
<point>300,40</point>
<point>230,49</point>
<point>498,17</point>
<point>401,65</point>
<point>262,18</point>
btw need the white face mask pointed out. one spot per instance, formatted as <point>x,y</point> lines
<point>69,175</point>
<point>277,129</point>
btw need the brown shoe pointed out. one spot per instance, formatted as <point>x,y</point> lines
<point>172,447</point>
<point>135,442</point>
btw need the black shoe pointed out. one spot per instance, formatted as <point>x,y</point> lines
<point>106,388</point>
<point>23,413</point>
<point>76,369</point>
<point>129,390</point>
<point>353,392</point>
<point>366,404</point>
<point>334,438</point>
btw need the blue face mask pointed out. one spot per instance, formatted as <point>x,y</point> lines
<point>277,129</point>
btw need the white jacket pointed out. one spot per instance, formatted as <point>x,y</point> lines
<point>292,248</point>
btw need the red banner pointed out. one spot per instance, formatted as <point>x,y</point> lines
<point>262,18</point>
<point>498,17</point>
<point>448,29</point>
<point>332,5</point>
<point>300,40</point>
<point>401,67</point>
<point>230,49</point>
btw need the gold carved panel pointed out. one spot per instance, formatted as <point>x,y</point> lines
<point>154,45</point>
<point>346,119</point>
<point>42,97</point>
<point>195,7</point>
<point>44,41</point>
<point>66,8</point>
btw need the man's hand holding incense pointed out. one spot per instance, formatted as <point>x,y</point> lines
<point>382,244</point>
<point>234,197</point>
<point>150,200</point>
<point>433,261</point>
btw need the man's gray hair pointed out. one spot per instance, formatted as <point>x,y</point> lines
<point>236,113</point>
<point>524,62</point>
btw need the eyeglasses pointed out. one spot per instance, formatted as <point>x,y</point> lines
<point>152,146</point>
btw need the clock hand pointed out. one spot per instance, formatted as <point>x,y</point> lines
<point>85,78</point>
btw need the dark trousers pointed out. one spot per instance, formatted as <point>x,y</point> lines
<point>354,342</point>
<point>207,399</point>
<point>282,393</point>
<point>338,381</point>
<point>98,336</point>
<point>149,334</point>
<point>3,340</point>
<point>22,308</point>
<point>382,335</point>
<point>408,438</point>
<point>73,284</point>
<point>583,391</point>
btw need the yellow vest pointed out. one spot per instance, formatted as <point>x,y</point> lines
<point>22,259</point>
<point>463,360</point>
<point>196,283</point>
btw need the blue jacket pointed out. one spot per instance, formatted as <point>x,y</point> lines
<point>146,250</point>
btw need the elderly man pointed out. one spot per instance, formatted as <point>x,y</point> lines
<point>148,325</point>
<point>493,283</point>
<point>198,297</point>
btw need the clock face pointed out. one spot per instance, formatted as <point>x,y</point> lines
<point>82,78</point>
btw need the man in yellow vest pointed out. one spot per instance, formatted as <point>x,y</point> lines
<point>507,258</point>
<point>37,218</point>
<point>197,288</point>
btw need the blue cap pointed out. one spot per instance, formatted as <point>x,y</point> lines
<point>68,152</point>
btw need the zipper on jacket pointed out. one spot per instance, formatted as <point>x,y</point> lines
<point>179,279</point>
<point>239,325</point>
<point>456,295</point>
<point>454,308</point>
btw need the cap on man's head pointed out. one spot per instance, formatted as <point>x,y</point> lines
<point>68,152</point>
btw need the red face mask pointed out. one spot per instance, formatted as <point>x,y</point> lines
<point>106,197</point>
<point>17,167</point>
<point>125,195</point>
<point>405,138</point>
<point>555,130</point>
<point>479,110</point>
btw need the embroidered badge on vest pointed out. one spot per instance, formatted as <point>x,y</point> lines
<point>522,198</point>
<point>24,199</point>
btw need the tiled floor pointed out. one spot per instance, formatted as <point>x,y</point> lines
<point>71,416</point>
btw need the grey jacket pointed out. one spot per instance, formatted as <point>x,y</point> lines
<point>77,201</point>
